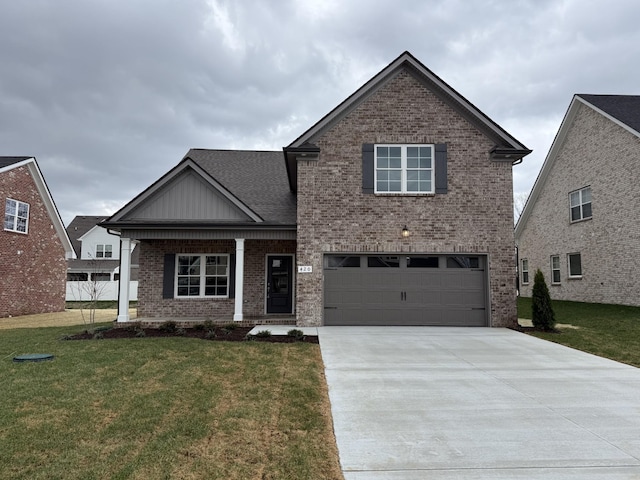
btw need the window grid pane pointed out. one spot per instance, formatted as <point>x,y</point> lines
<point>580,204</point>
<point>404,169</point>
<point>555,269</point>
<point>202,276</point>
<point>16,216</point>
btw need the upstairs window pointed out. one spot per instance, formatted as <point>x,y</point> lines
<point>404,169</point>
<point>104,251</point>
<point>16,216</point>
<point>580,204</point>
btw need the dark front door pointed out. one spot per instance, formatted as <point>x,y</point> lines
<point>279,284</point>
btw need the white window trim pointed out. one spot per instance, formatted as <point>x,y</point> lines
<point>15,217</point>
<point>555,269</point>
<point>523,270</point>
<point>102,252</point>
<point>202,275</point>
<point>403,168</point>
<point>569,266</point>
<point>580,204</point>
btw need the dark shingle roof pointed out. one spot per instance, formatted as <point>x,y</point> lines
<point>6,161</point>
<point>625,108</point>
<point>257,178</point>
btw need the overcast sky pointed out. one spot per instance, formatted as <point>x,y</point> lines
<point>108,95</point>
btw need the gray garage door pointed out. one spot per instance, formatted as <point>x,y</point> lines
<point>405,290</point>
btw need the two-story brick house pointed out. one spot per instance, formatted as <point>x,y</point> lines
<point>394,209</point>
<point>580,224</point>
<point>34,245</point>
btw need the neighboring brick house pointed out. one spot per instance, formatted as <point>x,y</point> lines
<point>394,209</point>
<point>96,269</point>
<point>580,225</point>
<point>34,245</point>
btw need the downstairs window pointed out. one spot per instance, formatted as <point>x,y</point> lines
<point>202,276</point>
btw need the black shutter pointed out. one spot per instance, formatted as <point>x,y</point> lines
<point>441,168</point>
<point>367,168</point>
<point>232,275</point>
<point>168,276</point>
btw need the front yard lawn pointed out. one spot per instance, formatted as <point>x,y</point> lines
<point>163,408</point>
<point>611,331</point>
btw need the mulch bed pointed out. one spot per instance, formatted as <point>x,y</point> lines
<point>238,334</point>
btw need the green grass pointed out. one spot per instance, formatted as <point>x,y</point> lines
<point>163,408</point>
<point>611,331</point>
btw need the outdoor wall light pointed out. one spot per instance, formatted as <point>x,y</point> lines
<point>405,232</point>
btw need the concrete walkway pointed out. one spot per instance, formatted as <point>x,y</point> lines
<point>477,403</point>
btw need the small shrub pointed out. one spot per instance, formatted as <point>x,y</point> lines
<point>65,337</point>
<point>229,327</point>
<point>263,334</point>
<point>181,332</point>
<point>169,326</point>
<point>542,315</point>
<point>198,327</point>
<point>208,325</point>
<point>250,338</point>
<point>210,335</point>
<point>140,333</point>
<point>298,335</point>
<point>98,336</point>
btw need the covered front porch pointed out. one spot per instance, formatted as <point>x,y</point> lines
<point>188,281</point>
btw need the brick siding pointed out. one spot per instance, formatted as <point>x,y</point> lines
<point>603,155</point>
<point>475,216</point>
<point>33,266</point>
<point>152,252</point>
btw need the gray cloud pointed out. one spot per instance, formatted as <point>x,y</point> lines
<point>109,95</point>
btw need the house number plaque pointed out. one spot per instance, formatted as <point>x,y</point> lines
<point>305,269</point>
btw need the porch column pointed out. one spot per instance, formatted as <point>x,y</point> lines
<point>125,277</point>
<point>237,316</point>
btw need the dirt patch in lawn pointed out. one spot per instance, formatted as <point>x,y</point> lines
<point>61,319</point>
<point>237,334</point>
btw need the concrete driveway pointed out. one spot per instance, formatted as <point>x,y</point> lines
<point>477,403</point>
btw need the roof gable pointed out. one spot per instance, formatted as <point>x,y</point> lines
<point>623,110</point>
<point>186,193</point>
<point>506,146</point>
<point>79,227</point>
<point>257,178</point>
<point>9,163</point>
<point>189,196</point>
